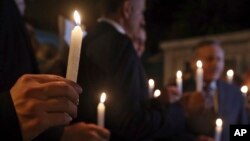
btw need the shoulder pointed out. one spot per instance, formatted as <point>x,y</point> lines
<point>105,40</point>
<point>230,90</point>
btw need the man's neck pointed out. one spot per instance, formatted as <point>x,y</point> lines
<point>113,23</point>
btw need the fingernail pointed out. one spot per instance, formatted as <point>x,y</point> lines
<point>68,118</point>
<point>79,89</point>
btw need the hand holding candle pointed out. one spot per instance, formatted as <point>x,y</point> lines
<point>230,76</point>
<point>101,110</point>
<point>199,76</point>
<point>218,129</point>
<point>74,50</point>
<point>179,81</point>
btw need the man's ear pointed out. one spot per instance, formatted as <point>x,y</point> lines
<point>127,9</point>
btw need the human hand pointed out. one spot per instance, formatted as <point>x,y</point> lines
<point>204,138</point>
<point>85,132</point>
<point>173,94</point>
<point>193,103</point>
<point>44,101</point>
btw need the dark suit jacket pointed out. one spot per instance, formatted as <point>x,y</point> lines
<point>16,59</point>
<point>231,106</point>
<point>109,64</point>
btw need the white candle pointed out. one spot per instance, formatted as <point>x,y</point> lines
<point>244,90</point>
<point>179,81</point>
<point>218,129</point>
<point>75,49</point>
<point>199,76</point>
<point>230,76</point>
<point>157,93</point>
<point>151,86</point>
<point>101,111</point>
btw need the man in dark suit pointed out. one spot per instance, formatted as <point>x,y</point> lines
<point>110,64</point>
<point>217,100</point>
<point>33,106</point>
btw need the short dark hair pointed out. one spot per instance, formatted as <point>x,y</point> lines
<point>207,42</point>
<point>110,6</point>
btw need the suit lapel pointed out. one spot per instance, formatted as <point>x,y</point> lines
<point>222,102</point>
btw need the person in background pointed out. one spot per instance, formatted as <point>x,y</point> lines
<point>109,63</point>
<point>34,106</point>
<point>203,108</point>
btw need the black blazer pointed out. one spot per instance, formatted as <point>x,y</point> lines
<point>109,64</point>
<point>16,59</point>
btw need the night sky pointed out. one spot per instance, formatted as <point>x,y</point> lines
<point>165,19</point>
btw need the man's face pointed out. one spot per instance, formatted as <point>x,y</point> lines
<point>139,40</point>
<point>212,57</point>
<point>136,20</point>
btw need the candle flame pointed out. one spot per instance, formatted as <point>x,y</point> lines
<point>77,18</point>
<point>157,93</point>
<point>199,64</point>
<point>151,82</point>
<point>219,122</point>
<point>179,74</point>
<point>230,72</point>
<point>244,89</point>
<point>103,97</point>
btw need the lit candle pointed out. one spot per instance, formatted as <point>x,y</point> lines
<point>101,110</point>
<point>199,76</point>
<point>157,93</point>
<point>179,81</point>
<point>218,129</point>
<point>151,86</point>
<point>244,90</point>
<point>230,76</point>
<point>75,49</point>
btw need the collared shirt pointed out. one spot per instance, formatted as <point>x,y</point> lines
<point>214,94</point>
<point>116,25</point>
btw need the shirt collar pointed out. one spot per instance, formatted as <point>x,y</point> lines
<point>116,25</point>
<point>213,85</point>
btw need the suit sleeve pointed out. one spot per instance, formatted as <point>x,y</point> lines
<point>243,117</point>
<point>9,125</point>
<point>131,115</point>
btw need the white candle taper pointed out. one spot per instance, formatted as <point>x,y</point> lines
<point>199,76</point>
<point>151,86</point>
<point>75,49</point>
<point>218,129</point>
<point>230,76</point>
<point>101,111</point>
<point>179,81</point>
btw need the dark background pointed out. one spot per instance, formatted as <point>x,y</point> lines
<point>165,20</point>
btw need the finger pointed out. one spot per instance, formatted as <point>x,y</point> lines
<point>60,89</point>
<point>104,133</point>
<point>56,119</point>
<point>61,105</point>
<point>45,78</point>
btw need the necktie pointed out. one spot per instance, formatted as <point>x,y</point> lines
<point>208,97</point>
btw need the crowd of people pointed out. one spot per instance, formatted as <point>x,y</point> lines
<point>48,107</point>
